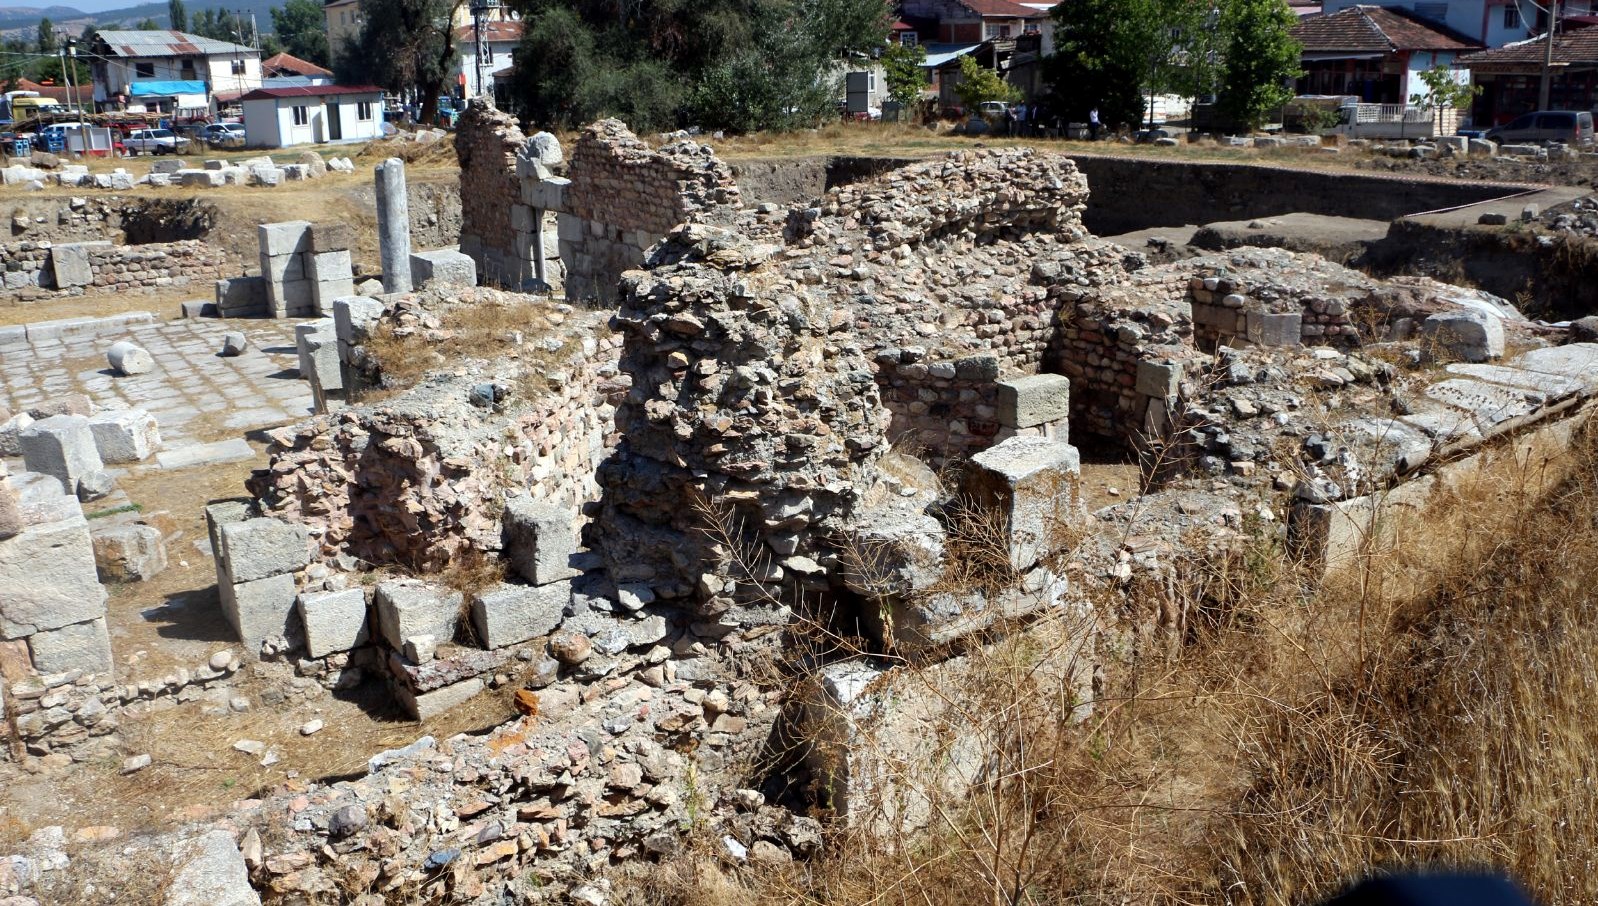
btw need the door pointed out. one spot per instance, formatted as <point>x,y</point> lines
<point>335,122</point>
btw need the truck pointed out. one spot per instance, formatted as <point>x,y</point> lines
<point>21,106</point>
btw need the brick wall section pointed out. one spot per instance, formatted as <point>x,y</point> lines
<point>486,141</point>
<point>118,269</point>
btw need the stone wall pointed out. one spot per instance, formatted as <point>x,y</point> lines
<point>486,143</point>
<point>159,267</point>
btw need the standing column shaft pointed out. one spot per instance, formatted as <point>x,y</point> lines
<point>540,266</point>
<point>394,226</point>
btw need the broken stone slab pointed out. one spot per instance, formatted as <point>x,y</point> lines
<point>259,548</point>
<point>61,446</point>
<point>408,607</point>
<point>211,872</point>
<point>1553,386</point>
<point>1034,400</point>
<point>1489,406</point>
<point>125,436</point>
<point>70,263</point>
<point>234,344</point>
<point>441,672</point>
<point>443,267</point>
<point>540,540</point>
<point>509,614</point>
<point>334,621</point>
<point>234,449</point>
<point>427,705</point>
<point>1388,446</point>
<point>1467,335</point>
<point>128,358</point>
<point>47,569</point>
<point>259,610</point>
<point>198,308</point>
<point>1031,485</point>
<point>80,646</point>
<point>1576,361</point>
<point>129,553</point>
<point>96,485</point>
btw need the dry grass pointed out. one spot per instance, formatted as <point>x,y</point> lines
<point>1429,707</point>
<point>486,330</point>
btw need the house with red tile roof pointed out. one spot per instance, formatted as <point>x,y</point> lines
<point>1510,76</point>
<point>1375,53</point>
<point>972,21</point>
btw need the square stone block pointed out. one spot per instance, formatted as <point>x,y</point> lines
<point>129,553</point>
<point>258,548</point>
<point>80,646</point>
<point>1032,483</point>
<point>61,446</point>
<point>1026,402</point>
<point>259,610</point>
<point>1158,379</point>
<point>334,620</point>
<point>407,608</point>
<point>47,574</point>
<point>124,436</point>
<point>331,236</point>
<point>540,539</point>
<point>508,614</point>
<point>288,238</point>
<point>444,267</point>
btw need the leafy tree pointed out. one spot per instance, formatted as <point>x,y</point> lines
<point>978,84</point>
<point>1261,59</point>
<point>1443,91</point>
<point>147,24</point>
<point>730,64</point>
<point>405,45</point>
<point>1100,59</point>
<point>901,70</point>
<point>47,42</point>
<point>302,28</point>
<point>177,16</point>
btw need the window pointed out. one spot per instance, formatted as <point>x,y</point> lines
<point>363,111</point>
<point>188,69</point>
<point>1512,16</point>
<point>302,115</point>
<point>998,31</point>
<point>238,67</point>
<point>144,70</point>
<point>909,38</point>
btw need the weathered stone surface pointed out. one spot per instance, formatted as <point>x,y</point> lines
<point>427,705</point>
<point>128,358</point>
<point>129,553</point>
<point>508,614</point>
<point>211,872</point>
<point>406,608</point>
<point>125,435</point>
<point>234,344</point>
<point>258,548</point>
<point>1031,483</point>
<point>69,263</point>
<point>61,446</point>
<point>1158,379</point>
<point>47,570</point>
<point>1039,399</point>
<point>11,433</point>
<point>540,539</point>
<point>1466,335</point>
<point>444,267</point>
<point>331,236</point>
<point>259,610</point>
<point>10,506</point>
<point>287,238</point>
<point>80,646</point>
<point>334,620</point>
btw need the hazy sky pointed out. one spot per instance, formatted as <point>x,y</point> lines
<point>88,6</point>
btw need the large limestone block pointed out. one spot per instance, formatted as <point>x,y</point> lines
<point>427,705</point>
<point>1467,335</point>
<point>540,539</point>
<point>1038,399</point>
<point>61,446</point>
<point>444,267</point>
<point>288,238</point>
<point>125,436</point>
<point>258,548</point>
<point>70,264</point>
<point>129,553</point>
<point>334,620</point>
<point>211,872</point>
<point>332,236</point>
<point>407,608</point>
<point>80,646</point>
<point>1031,486</point>
<point>47,574</point>
<point>259,610</point>
<point>507,614</point>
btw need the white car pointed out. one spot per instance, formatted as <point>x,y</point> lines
<point>223,135</point>
<point>155,141</point>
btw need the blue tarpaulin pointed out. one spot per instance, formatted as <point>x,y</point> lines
<point>167,89</point>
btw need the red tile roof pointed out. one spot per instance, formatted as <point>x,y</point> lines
<point>1001,9</point>
<point>1573,48</point>
<point>289,63</point>
<point>1376,29</point>
<point>497,32</point>
<point>309,91</point>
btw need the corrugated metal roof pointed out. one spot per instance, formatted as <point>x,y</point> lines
<point>309,91</point>
<point>939,54</point>
<point>166,44</point>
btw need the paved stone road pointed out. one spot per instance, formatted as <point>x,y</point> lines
<point>195,395</point>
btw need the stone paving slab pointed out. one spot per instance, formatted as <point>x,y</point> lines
<point>195,395</point>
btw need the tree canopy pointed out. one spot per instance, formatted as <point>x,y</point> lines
<point>1261,59</point>
<point>302,28</point>
<point>177,15</point>
<point>727,64</point>
<point>403,45</point>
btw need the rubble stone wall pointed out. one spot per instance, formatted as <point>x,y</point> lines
<point>486,142</point>
<point>119,269</point>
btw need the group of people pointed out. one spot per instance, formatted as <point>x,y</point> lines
<point>1032,119</point>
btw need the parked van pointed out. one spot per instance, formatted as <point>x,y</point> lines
<point>1568,127</point>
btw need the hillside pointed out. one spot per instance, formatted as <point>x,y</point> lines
<point>13,18</point>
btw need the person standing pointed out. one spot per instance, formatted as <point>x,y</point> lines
<point>1093,124</point>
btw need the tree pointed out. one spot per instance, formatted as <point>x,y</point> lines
<point>1443,91</point>
<point>47,42</point>
<point>404,45</point>
<point>1100,59</point>
<point>177,16</point>
<point>1261,59</point>
<point>302,28</point>
<point>901,70</point>
<point>979,83</point>
<point>147,24</point>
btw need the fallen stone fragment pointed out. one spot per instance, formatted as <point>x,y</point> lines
<point>127,358</point>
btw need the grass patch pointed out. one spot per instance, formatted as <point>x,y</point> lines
<point>116,511</point>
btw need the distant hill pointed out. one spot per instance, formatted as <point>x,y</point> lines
<point>129,15</point>
<point>28,16</point>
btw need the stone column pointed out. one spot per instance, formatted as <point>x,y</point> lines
<point>540,265</point>
<point>394,226</point>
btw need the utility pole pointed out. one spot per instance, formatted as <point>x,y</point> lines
<point>480,10</point>
<point>1544,88</point>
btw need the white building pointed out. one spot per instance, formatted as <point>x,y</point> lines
<point>168,71</point>
<point>312,114</point>
<point>1493,23</point>
<point>503,36</point>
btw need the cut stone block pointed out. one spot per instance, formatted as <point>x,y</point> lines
<point>547,194</point>
<point>259,610</point>
<point>258,548</point>
<point>129,553</point>
<point>11,433</point>
<point>407,608</point>
<point>540,539</point>
<point>80,646</point>
<point>283,268</point>
<point>1039,399</point>
<point>234,449</point>
<point>128,435</point>
<point>1158,379</point>
<point>239,296</point>
<point>334,276</point>
<point>47,570</point>
<point>234,344</point>
<point>331,236</point>
<point>1032,484</point>
<point>444,267</point>
<point>288,238</point>
<point>1466,335</point>
<point>61,446</point>
<point>334,621</point>
<point>10,506</point>
<point>211,872</point>
<point>1277,328</point>
<point>427,705</point>
<point>70,263</point>
<point>508,614</point>
<point>129,358</point>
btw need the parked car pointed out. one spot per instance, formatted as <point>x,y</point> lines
<point>223,135</point>
<point>155,141</point>
<point>1568,127</point>
<point>993,110</point>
